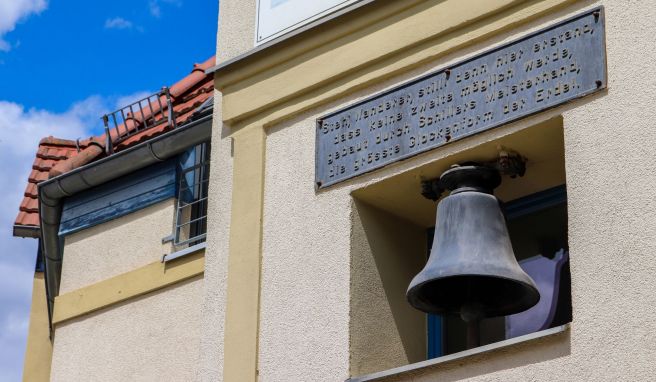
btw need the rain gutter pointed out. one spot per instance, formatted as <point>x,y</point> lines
<point>52,191</point>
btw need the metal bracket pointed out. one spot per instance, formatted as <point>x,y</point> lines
<point>432,189</point>
<point>109,147</point>
<point>168,239</point>
<point>509,163</point>
<point>171,114</point>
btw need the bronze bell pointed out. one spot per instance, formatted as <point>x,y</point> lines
<point>472,270</point>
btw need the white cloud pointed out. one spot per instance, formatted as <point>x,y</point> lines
<point>15,11</point>
<point>118,23</point>
<point>20,132</point>
<point>129,99</point>
<point>155,8</point>
<point>13,330</point>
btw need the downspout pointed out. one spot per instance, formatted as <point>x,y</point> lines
<point>52,191</point>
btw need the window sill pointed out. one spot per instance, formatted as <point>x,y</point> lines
<point>183,252</point>
<point>460,355</point>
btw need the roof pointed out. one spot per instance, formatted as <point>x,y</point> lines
<point>56,156</point>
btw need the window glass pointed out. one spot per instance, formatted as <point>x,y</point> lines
<point>191,214</point>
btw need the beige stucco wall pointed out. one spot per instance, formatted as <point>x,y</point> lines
<point>305,265</point>
<point>609,139</point>
<point>611,228</point>
<point>236,31</point>
<point>235,36</point>
<point>151,338</point>
<point>154,336</point>
<point>117,246</point>
<point>297,307</point>
<point>306,311</point>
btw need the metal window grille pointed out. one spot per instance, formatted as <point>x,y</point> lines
<point>191,214</point>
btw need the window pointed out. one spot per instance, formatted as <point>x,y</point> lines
<point>537,225</point>
<point>193,183</point>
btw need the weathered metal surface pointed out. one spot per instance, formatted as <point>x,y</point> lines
<point>472,270</point>
<point>545,69</point>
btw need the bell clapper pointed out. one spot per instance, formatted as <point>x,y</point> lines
<point>472,313</point>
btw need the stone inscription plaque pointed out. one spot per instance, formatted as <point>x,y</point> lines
<point>543,70</point>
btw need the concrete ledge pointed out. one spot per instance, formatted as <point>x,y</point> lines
<point>459,355</point>
<point>128,285</point>
<point>184,252</point>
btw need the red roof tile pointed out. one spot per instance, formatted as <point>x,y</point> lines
<point>29,205</point>
<point>28,219</point>
<point>50,152</point>
<point>43,164</point>
<point>30,190</point>
<point>57,156</point>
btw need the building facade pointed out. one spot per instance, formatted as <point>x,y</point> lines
<point>313,278</point>
<point>127,210</point>
<point>327,136</point>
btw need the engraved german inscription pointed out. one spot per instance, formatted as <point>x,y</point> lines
<point>548,68</point>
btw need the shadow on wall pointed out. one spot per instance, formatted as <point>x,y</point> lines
<point>386,253</point>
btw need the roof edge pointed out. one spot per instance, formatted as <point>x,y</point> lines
<point>50,140</point>
<point>26,231</point>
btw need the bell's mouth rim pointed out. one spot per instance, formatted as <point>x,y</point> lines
<point>419,303</point>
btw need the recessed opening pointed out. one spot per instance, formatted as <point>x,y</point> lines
<point>391,240</point>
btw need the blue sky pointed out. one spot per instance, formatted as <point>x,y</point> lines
<point>63,63</point>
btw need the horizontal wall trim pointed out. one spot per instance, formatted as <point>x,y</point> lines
<point>269,55</point>
<point>279,42</point>
<point>126,286</point>
<point>379,51</point>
